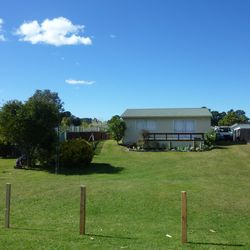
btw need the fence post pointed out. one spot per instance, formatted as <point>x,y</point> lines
<point>183,217</point>
<point>7,207</point>
<point>82,209</point>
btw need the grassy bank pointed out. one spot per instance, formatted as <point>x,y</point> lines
<point>133,201</point>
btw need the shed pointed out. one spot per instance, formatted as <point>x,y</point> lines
<point>241,132</point>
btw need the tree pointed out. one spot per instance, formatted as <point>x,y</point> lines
<point>49,97</point>
<point>116,127</point>
<point>216,117</point>
<point>76,121</point>
<point>66,114</point>
<point>31,125</point>
<point>87,120</point>
<point>10,115</point>
<point>65,123</point>
<point>233,117</point>
<point>242,114</point>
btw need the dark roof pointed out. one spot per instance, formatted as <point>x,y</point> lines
<point>168,112</point>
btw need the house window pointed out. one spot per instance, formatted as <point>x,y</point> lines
<point>184,126</point>
<point>190,126</point>
<point>145,125</point>
<point>179,126</point>
<point>141,124</point>
<point>151,125</point>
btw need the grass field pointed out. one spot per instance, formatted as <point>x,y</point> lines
<point>133,201</point>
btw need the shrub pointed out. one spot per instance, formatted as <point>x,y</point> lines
<point>76,153</point>
<point>210,138</point>
<point>151,145</point>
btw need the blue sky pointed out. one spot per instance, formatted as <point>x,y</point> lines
<point>103,56</point>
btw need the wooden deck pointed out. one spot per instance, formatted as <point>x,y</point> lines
<point>174,137</point>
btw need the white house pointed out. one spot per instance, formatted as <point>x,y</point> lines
<point>178,125</point>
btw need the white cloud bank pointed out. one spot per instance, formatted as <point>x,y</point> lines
<point>79,82</point>
<point>2,38</point>
<point>58,31</point>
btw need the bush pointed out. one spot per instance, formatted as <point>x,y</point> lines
<point>76,153</point>
<point>210,138</point>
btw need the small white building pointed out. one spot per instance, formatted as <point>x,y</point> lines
<point>241,132</point>
<point>178,125</point>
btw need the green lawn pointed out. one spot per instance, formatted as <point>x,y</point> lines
<point>133,201</point>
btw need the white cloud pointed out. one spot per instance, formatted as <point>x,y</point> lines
<point>2,38</point>
<point>79,82</point>
<point>58,31</point>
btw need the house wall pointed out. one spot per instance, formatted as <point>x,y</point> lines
<point>241,134</point>
<point>160,125</point>
<point>245,135</point>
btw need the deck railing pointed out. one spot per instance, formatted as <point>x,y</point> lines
<point>174,137</point>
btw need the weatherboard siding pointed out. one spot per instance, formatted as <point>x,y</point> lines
<point>160,125</point>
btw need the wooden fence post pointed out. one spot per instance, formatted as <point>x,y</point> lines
<point>7,207</point>
<point>183,217</point>
<point>82,209</point>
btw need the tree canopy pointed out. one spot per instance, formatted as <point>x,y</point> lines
<point>228,118</point>
<point>233,117</point>
<point>117,127</point>
<point>31,125</point>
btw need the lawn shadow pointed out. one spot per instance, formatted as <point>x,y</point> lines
<point>32,229</point>
<point>111,237</point>
<point>215,244</point>
<point>93,168</point>
<point>219,147</point>
<point>226,144</point>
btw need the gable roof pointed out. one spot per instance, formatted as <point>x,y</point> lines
<point>241,125</point>
<point>168,112</point>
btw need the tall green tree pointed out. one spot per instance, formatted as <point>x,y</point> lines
<point>116,127</point>
<point>31,125</point>
<point>216,117</point>
<point>10,115</point>
<point>242,115</point>
<point>233,117</point>
<point>49,97</point>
